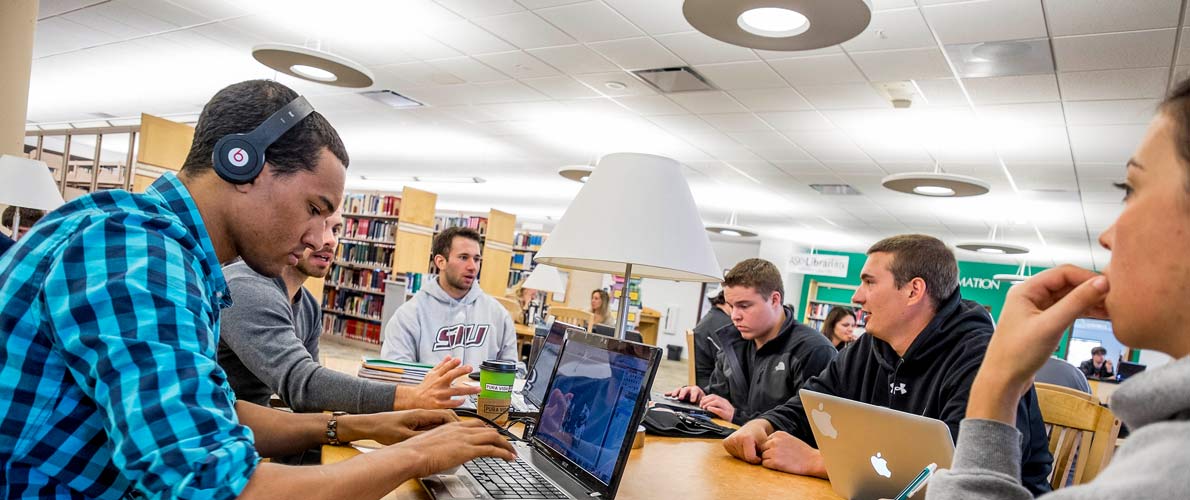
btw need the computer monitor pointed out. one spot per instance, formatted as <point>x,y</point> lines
<point>607,331</point>
<point>595,401</point>
<point>1127,369</point>
<point>543,365</point>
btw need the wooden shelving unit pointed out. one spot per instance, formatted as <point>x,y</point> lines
<point>824,296</point>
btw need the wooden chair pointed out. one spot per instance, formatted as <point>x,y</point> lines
<point>1065,390</point>
<point>1075,420</point>
<point>577,317</point>
<point>514,310</point>
<point>693,379</point>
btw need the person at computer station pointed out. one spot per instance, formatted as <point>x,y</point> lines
<point>1144,289</point>
<point>767,355</point>
<point>1097,367</point>
<point>923,346</point>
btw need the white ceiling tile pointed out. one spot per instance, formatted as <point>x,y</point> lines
<point>697,48</point>
<point>987,20</point>
<point>771,99</point>
<point>886,149</point>
<point>169,12</point>
<point>828,146</point>
<point>561,87</point>
<point>893,29</point>
<point>525,30</point>
<point>590,22</point>
<point>481,8</point>
<point>632,86</point>
<point>735,122</point>
<point>468,69</point>
<point>940,92</point>
<point>861,167</point>
<point>1079,17</point>
<point>574,59</point>
<point>1041,144</point>
<point>469,38</point>
<point>1092,170</point>
<point>1012,89</point>
<point>637,53</point>
<point>766,140</point>
<point>1114,84</point>
<point>818,70</point>
<point>518,64</point>
<point>843,96</point>
<point>787,153</point>
<point>772,55</point>
<point>1127,112</point>
<point>801,167</point>
<point>117,19</point>
<point>541,4</point>
<point>1180,73</point>
<point>797,121</point>
<point>442,95</point>
<point>414,74</point>
<point>741,75</point>
<point>906,64</point>
<point>654,16</point>
<point>420,46</point>
<point>61,35</point>
<point>696,131</point>
<point>1137,49</point>
<point>1042,114</point>
<point>1184,46</point>
<point>1105,143</point>
<point>506,91</point>
<point>706,102</point>
<point>651,105</point>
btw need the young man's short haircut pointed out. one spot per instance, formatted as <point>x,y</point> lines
<point>1099,350</point>
<point>29,216</point>
<point>921,256</point>
<point>758,274</point>
<point>445,239</point>
<point>241,107</point>
<point>719,300</point>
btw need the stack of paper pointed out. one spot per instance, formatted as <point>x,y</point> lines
<point>400,372</point>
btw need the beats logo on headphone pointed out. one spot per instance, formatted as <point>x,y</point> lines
<point>239,158</point>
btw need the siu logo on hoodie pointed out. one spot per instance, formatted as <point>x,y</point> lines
<point>450,337</point>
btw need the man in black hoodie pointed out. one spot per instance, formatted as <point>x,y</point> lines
<point>924,347</point>
<point>706,344</point>
<point>766,355</point>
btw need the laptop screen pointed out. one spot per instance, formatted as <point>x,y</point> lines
<point>539,376</point>
<point>595,401</point>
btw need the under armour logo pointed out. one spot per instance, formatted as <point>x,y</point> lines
<point>780,366</point>
<point>460,336</point>
<point>897,389</point>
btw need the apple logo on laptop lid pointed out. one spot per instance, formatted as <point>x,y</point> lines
<point>822,420</point>
<point>881,465</point>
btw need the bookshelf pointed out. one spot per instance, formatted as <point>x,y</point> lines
<point>495,239</point>
<point>822,297</point>
<point>525,246</point>
<point>383,234</point>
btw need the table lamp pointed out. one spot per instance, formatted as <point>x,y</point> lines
<point>635,217</point>
<point>544,278</point>
<point>26,183</point>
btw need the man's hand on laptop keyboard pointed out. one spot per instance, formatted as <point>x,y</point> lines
<point>690,393</point>
<point>454,444</point>
<point>436,391</point>
<point>396,426</point>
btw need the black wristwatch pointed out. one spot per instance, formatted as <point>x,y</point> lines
<point>332,428</point>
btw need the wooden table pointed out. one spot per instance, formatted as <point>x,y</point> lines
<point>676,468</point>
<point>1103,389</point>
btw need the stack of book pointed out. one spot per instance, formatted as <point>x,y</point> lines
<point>400,372</point>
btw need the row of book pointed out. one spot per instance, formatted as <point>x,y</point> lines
<point>527,240</point>
<point>370,229</point>
<point>362,253</point>
<point>367,331</point>
<point>818,311</point>
<point>372,204</point>
<point>413,282</point>
<point>371,279</point>
<point>353,302</point>
<point>515,276</point>
<point>479,224</point>
<point>393,371</point>
<point>522,260</point>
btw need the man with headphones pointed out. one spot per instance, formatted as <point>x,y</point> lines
<point>109,322</point>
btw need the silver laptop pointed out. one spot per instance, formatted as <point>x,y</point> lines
<point>871,451</point>
<point>530,391</point>
<point>592,406</point>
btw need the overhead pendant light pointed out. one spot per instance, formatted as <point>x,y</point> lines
<point>732,229</point>
<point>786,25</point>
<point>1014,279</point>
<point>992,246</point>
<point>313,65</point>
<point>937,184</point>
<point>576,173</point>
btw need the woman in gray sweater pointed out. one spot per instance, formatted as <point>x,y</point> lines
<point>1145,289</point>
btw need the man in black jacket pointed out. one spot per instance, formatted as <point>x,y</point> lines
<point>706,346</point>
<point>766,355</point>
<point>925,346</point>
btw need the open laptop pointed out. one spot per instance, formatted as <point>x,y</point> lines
<point>1127,369</point>
<point>593,404</point>
<point>608,331</point>
<point>871,451</point>
<point>529,392</point>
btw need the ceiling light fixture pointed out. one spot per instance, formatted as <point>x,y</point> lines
<point>1019,277</point>
<point>449,180</point>
<point>615,85</point>
<point>732,229</point>
<point>576,173</point>
<point>993,246</point>
<point>313,65</point>
<point>779,24</point>
<point>936,184</point>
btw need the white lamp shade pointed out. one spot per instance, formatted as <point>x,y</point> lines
<point>545,278</point>
<point>635,209</point>
<point>28,183</point>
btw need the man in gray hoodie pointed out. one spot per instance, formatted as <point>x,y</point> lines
<point>450,315</point>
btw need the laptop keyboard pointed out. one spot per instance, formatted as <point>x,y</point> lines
<point>508,480</point>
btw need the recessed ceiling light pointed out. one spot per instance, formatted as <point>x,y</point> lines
<point>576,173</point>
<point>993,247</point>
<point>313,65</point>
<point>615,85</point>
<point>732,230</point>
<point>773,22</point>
<point>938,184</point>
<point>779,24</point>
<point>835,189</point>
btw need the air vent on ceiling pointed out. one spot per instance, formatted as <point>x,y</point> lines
<point>683,79</point>
<point>835,189</point>
<point>103,115</point>
<point>391,98</point>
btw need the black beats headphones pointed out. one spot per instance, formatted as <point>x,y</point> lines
<point>239,158</point>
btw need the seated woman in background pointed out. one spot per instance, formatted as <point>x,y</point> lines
<point>839,327</point>
<point>599,301</point>
<point>523,297</point>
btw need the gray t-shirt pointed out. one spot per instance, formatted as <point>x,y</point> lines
<point>268,344</point>
<point>1058,372</point>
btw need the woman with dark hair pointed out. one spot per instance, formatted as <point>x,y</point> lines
<point>599,301</point>
<point>1145,289</point>
<point>839,327</point>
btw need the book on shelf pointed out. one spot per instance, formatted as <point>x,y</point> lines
<point>368,279</point>
<point>364,254</point>
<point>351,328</point>
<point>393,371</point>
<point>480,224</point>
<point>528,240</point>
<point>384,231</point>
<point>372,204</point>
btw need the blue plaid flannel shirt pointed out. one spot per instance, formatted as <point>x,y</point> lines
<point>109,321</point>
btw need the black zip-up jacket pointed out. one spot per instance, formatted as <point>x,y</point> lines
<point>933,379</point>
<point>779,368</point>
<point>706,349</point>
